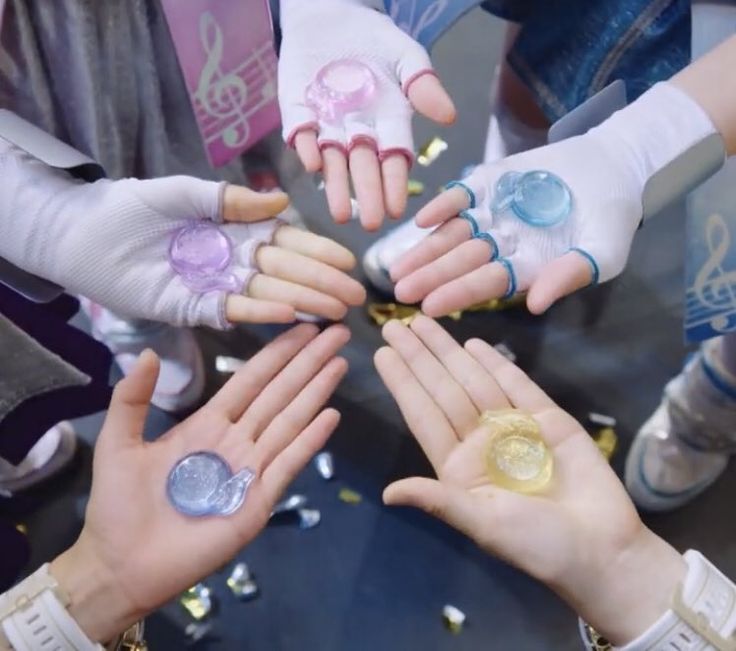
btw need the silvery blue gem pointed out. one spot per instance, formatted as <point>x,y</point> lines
<point>202,484</point>
<point>539,198</point>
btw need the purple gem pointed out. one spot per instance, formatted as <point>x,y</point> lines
<point>201,253</point>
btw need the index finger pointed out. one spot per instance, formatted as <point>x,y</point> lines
<point>516,385</point>
<point>436,244</point>
<point>445,206</point>
<point>241,389</point>
<point>424,417</point>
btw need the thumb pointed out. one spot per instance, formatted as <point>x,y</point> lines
<point>128,409</point>
<point>447,503</point>
<point>242,204</point>
<point>429,97</point>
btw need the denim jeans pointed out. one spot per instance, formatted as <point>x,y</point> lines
<point>568,50</point>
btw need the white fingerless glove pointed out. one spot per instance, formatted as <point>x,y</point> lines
<point>606,169</point>
<point>109,240</point>
<point>318,32</point>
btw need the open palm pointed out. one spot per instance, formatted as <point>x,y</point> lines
<point>267,418</point>
<point>582,517</point>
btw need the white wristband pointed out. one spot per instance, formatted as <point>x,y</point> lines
<point>703,614</point>
<point>33,616</point>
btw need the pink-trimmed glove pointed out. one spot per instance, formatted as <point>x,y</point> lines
<point>375,140</point>
<point>109,241</point>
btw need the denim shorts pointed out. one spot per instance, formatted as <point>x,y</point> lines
<point>568,50</point>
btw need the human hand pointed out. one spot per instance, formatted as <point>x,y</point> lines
<point>581,535</point>
<point>484,255</point>
<point>374,145</point>
<point>109,241</point>
<point>476,255</point>
<point>136,551</point>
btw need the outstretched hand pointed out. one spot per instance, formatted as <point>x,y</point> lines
<point>135,550</point>
<point>581,536</point>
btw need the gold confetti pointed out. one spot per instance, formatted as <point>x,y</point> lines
<point>415,188</point>
<point>197,601</point>
<point>22,528</point>
<point>349,496</point>
<point>607,441</point>
<point>381,313</point>
<point>431,151</point>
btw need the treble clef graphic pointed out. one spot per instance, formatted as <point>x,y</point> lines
<point>711,280</point>
<point>222,95</point>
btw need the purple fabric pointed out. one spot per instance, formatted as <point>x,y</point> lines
<point>16,553</point>
<point>47,324</point>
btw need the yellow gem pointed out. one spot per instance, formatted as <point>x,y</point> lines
<point>516,456</point>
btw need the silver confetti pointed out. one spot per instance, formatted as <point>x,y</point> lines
<point>309,518</point>
<point>196,632</point>
<point>354,209</point>
<point>291,503</point>
<point>601,420</point>
<point>241,583</point>
<point>325,464</point>
<point>225,364</point>
<point>453,618</point>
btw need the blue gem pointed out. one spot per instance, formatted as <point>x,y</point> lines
<point>202,483</point>
<point>539,198</point>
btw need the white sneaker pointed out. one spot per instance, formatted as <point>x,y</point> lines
<point>48,457</point>
<point>506,136</point>
<point>181,379</point>
<point>685,445</point>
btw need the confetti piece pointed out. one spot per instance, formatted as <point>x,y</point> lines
<point>241,583</point>
<point>350,496</point>
<point>197,601</point>
<point>325,464</point>
<point>431,151</point>
<point>415,188</point>
<point>453,618</point>
<point>607,442</point>
<point>225,364</point>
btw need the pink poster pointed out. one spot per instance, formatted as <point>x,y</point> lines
<point>226,53</point>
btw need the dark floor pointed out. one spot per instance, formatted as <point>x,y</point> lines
<point>373,578</point>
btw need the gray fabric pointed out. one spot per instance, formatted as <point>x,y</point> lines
<point>29,369</point>
<point>102,75</point>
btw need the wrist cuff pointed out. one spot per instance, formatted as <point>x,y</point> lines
<point>703,613</point>
<point>33,616</point>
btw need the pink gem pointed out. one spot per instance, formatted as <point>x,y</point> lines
<point>341,87</point>
<point>201,253</point>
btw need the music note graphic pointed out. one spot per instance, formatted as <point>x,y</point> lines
<point>225,51</point>
<point>711,300</point>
